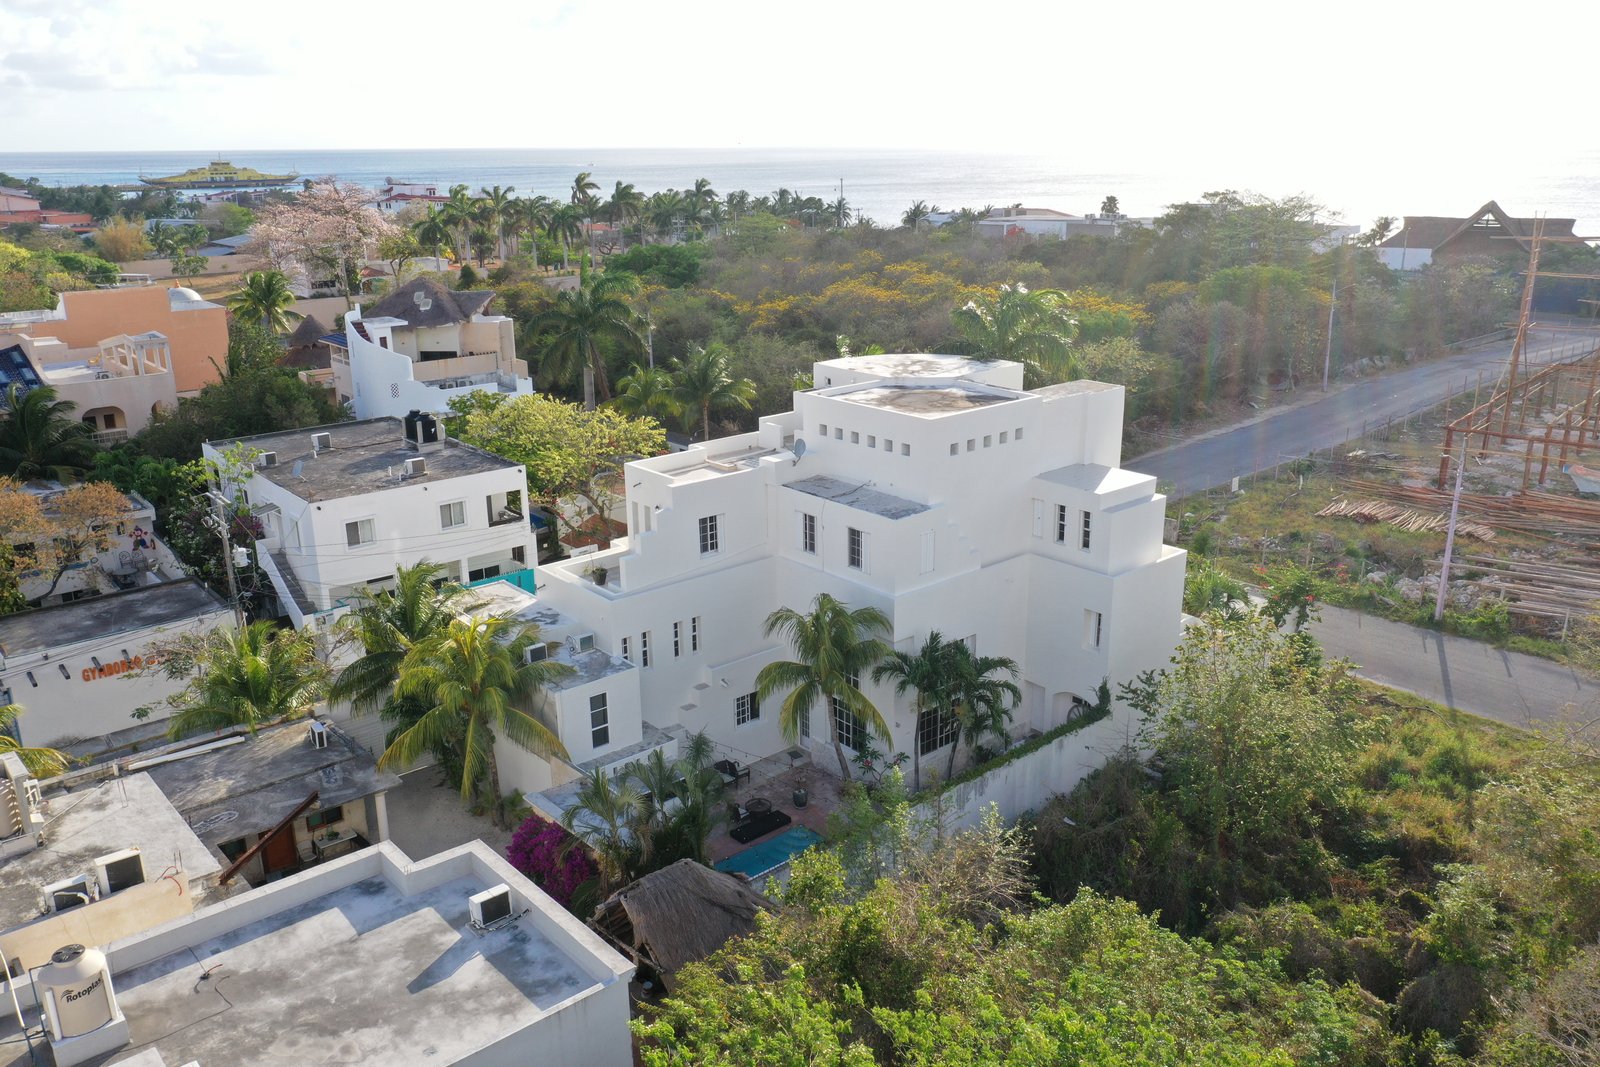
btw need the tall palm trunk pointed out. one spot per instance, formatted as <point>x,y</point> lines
<point>588,386</point>
<point>494,791</point>
<point>705,421</point>
<point>950,770</point>
<point>916,749</point>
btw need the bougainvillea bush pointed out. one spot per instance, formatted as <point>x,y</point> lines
<point>555,860</point>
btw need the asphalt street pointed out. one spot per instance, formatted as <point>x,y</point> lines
<point>1343,414</point>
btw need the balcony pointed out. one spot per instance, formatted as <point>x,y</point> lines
<point>505,517</point>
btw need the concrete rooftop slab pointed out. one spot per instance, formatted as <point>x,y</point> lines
<point>927,401</point>
<point>856,496</point>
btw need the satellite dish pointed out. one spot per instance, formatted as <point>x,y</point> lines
<point>799,448</point>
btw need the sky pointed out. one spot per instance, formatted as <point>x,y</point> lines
<point>1354,85</point>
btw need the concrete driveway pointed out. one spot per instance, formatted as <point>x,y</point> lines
<point>1474,677</point>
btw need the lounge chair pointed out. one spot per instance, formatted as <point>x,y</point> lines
<point>732,772</point>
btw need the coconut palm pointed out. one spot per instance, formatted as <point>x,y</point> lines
<point>250,677</point>
<point>471,677</point>
<point>584,187</point>
<point>703,380</point>
<point>834,646</point>
<point>565,224</point>
<point>737,203</point>
<point>582,323</point>
<point>495,212</point>
<point>662,211</point>
<point>624,206</point>
<point>40,762</point>
<point>460,213</point>
<point>39,438</point>
<point>840,211</point>
<point>983,693</point>
<point>604,815</point>
<point>1033,327</point>
<point>163,239</point>
<point>528,216</point>
<point>388,624</point>
<point>1209,589</point>
<point>915,215</point>
<point>930,672</point>
<point>432,231</point>
<point>264,297</point>
<point>679,803</point>
<point>647,392</point>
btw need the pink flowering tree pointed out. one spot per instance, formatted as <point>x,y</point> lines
<point>326,230</point>
<point>556,861</point>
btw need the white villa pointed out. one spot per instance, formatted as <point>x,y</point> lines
<point>421,345</point>
<point>934,488</point>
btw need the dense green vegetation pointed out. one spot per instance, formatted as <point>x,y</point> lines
<point>31,278</point>
<point>1316,872</point>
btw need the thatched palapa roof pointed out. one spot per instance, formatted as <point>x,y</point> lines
<point>306,349</point>
<point>1435,231</point>
<point>445,307</point>
<point>679,914</point>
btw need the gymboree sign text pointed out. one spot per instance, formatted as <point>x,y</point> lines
<point>121,666</point>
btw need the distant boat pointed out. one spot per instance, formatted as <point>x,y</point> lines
<point>219,175</point>
<point>1587,479</point>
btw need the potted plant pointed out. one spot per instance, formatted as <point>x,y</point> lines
<point>599,574</point>
<point>799,796</point>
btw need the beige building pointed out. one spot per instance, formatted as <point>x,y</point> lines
<point>117,384</point>
<point>195,329</point>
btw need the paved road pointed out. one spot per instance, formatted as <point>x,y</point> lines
<point>1505,686</point>
<point>1325,421</point>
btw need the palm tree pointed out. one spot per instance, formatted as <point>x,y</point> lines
<point>915,215</point>
<point>471,677</point>
<point>528,216</point>
<point>585,321</point>
<point>646,392</point>
<point>40,762</point>
<point>702,193</point>
<point>834,647</point>
<point>251,677</point>
<point>163,239</point>
<point>840,210</point>
<point>1032,327</point>
<point>678,806</point>
<point>432,231</point>
<point>981,701</point>
<point>930,671</point>
<point>387,625</point>
<point>1208,589</point>
<point>737,203</point>
<point>624,205</point>
<point>702,381</point>
<point>565,224</point>
<point>662,211</point>
<point>496,210</point>
<point>584,187</point>
<point>264,297</point>
<point>40,438</point>
<point>604,815</point>
<point>460,212</point>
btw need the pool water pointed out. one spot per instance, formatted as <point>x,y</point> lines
<point>766,856</point>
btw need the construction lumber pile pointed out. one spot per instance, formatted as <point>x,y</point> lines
<point>1564,520</point>
<point>1402,517</point>
<point>1534,587</point>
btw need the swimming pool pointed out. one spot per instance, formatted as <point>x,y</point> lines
<point>772,853</point>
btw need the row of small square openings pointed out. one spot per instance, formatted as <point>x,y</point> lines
<point>1006,436</point>
<point>871,439</point>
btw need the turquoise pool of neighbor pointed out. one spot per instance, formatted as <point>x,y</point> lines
<point>767,856</point>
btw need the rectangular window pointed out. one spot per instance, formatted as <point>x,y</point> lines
<point>838,434</point>
<point>708,535</point>
<point>1018,434</point>
<point>644,649</point>
<point>360,532</point>
<point>808,533</point>
<point>677,639</point>
<point>1005,435</point>
<point>627,650</point>
<point>936,729</point>
<point>480,573</point>
<point>1093,625</point>
<point>823,429</point>
<point>746,708</point>
<point>519,553</point>
<point>855,437</point>
<point>1061,524</point>
<point>905,449</point>
<point>988,440</point>
<point>805,721</point>
<point>856,549</point>
<point>848,728</point>
<point>694,634</point>
<point>955,449</point>
<point>599,721</point>
<point>452,515</point>
<point>888,445</point>
<point>326,817</point>
<point>972,443</point>
<point>872,440</point>
<point>1083,532</point>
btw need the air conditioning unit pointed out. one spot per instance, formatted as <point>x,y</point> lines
<point>536,653</point>
<point>581,642</point>
<point>318,734</point>
<point>267,459</point>
<point>321,442</point>
<point>72,893</point>
<point>415,467</point>
<point>491,906</point>
<point>119,871</point>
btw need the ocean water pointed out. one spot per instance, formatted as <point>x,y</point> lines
<point>882,184</point>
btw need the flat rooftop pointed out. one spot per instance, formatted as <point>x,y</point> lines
<point>167,604</point>
<point>364,972</point>
<point>94,821</point>
<point>926,401</point>
<point>366,457</point>
<point>911,365</point>
<point>853,495</point>
<point>503,598</point>
<point>251,786</point>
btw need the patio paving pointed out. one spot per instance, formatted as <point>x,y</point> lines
<point>778,787</point>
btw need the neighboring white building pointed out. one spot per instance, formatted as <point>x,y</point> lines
<point>76,668</point>
<point>931,487</point>
<point>421,345</point>
<point>343,505</point>
<point>1047,222</point>
<point>373,959</point>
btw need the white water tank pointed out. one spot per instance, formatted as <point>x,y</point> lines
<point>76,986</point>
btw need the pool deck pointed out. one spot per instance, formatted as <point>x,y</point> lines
<point>823,801</point>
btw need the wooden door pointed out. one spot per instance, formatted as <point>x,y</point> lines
<point>280,853</point>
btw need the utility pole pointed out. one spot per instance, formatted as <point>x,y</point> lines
<point>1450,538</point>
<point>219,503</point>
<point>1327,355</point>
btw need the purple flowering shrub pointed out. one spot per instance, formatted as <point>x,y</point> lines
<point>556,861</point>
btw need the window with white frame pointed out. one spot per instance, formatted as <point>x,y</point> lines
<point>1083,531</point>
<point>746,708</point>
<point>360,532</point>
<point>644,649</point>
<point>677,639</point>
<point>694,634</point>
<point>856,549</point>
<point>936,728</point>
<point>627,649</point>
<point>599,721</point>
<point>1093,627</point>
<point>1061,524</point>
<point>708,535</point>
<point>808,533</point>
<point>452,515</point>
<point>848,729</point>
